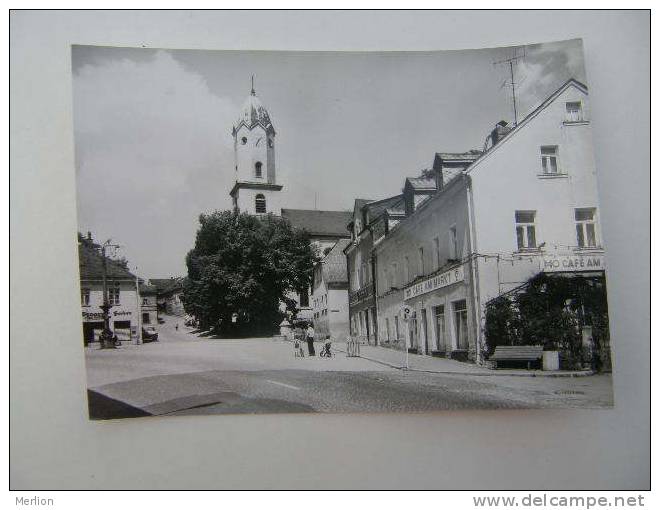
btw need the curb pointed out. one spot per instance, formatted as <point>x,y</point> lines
<point>492,373</point>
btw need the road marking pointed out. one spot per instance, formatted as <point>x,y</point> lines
<point>282,384</point>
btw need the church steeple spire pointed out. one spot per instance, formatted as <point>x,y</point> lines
<point>252,91</point>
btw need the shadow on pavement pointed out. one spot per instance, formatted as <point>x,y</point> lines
<point>106,408</point>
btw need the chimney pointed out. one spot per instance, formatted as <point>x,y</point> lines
<point>500,131</point>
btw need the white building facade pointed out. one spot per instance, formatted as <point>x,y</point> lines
<point>527,205</point>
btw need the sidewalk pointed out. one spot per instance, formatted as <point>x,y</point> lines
<point>419,363</point>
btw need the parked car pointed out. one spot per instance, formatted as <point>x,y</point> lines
<point>149,334</point>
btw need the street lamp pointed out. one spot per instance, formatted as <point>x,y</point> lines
<point>106,337</point>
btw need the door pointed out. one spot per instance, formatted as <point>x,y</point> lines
<point>460,323</point>
<point>440,331</point>
<point>412,331</point>
<point>425,332</point>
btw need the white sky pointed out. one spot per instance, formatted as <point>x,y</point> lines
<point>153,129</point>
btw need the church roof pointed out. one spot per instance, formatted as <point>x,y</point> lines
<point>319,223</point>
<point>253,113</point>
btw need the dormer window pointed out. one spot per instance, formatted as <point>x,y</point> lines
<point>257,170</point>
<point>574,111</point>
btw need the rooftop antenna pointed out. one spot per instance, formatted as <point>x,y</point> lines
<point>252,91</point>
<point>511,61</point>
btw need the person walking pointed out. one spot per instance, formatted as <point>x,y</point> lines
<point>310,340</point>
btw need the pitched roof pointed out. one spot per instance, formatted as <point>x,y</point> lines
<point>91,264</point>
<point>511,134</point>
<point>165,285</point>
<point>334,263</point>
<point>376,209</point>
<point>146,289</point>
<point>319,223</point>
<point>470,155</point>
<point>421,183</point>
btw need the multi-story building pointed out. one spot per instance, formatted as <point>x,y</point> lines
<point>329,297</point>
<point>148,304</point>
<point>367,218</point>
<point>493,221</point>
<point>169,292</point>
<point>122,291</point>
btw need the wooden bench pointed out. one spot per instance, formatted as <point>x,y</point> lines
<point>517,353</point>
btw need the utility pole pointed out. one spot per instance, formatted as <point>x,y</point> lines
<point>510,63</point>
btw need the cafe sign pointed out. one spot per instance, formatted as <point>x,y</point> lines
<point>552,264</point>
<point>435,282</point>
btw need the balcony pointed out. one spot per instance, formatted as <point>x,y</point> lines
<point>361,294</point>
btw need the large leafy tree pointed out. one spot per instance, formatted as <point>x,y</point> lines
<point>245,265</point>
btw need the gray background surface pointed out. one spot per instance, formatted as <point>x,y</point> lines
<point>54,446</point>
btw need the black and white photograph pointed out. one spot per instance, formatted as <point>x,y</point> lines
<point>294,232</point>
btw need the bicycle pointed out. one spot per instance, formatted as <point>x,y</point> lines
<point>326,352</point>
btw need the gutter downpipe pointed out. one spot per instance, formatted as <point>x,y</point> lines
<point>476,298</point>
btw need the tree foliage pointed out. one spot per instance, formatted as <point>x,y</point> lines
<point>551,311</point>
<point>245,265</point>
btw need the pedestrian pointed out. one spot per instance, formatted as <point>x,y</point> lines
<point>310,340</point>
<point>177,326</point>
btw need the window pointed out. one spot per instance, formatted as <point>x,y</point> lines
<point>549,159</point>
<point>421,260</point>
<point>145,318</point>
<point>257,169</point>
<point>113,294</point>
<point>460,324</point>
<point>585,226</point>
<point>145,301</point>
<point>396,326</point>
<point>387,328</point>
<point>84,297</point>
<point>453,243</point>
<point>407,267</point>
<point>243,140</point>
<point>394,274</point>
<point>304,298</point>
<point>525,229</point>
<point>440,332</point>
<point>436,243</point>
<point>260,204</point>
<point>574,111</point>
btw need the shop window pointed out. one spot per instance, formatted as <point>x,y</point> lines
<point>260,204</point>
<point>574,111</point>
<point>440,329</point>
<point>84,297</point>
<point>526,229</point>
<point>585,226</point>
<point>257,170</point>
<point>146,319</point>
<point>461,324</point>
<point>549,159</point>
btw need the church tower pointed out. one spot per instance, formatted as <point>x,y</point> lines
<point>256,190</point>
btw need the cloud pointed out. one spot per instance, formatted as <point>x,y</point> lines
<point>544,68</point>
<point>152,146</point>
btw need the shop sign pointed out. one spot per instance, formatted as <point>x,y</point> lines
<point>435,282</point>
<point>573,263</point>
<point>92,316</point>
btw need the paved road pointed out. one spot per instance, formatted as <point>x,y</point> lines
<point>185,374</point>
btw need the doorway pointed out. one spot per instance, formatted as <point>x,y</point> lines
<point>425,331</point>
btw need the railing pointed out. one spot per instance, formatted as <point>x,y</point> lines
<point>361,294</point>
